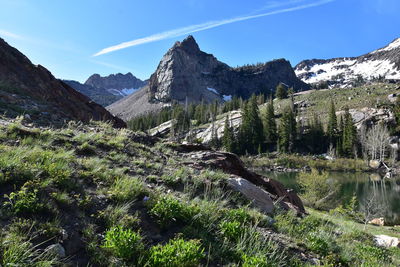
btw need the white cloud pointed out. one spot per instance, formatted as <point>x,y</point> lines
<point>4,33</point>
<point>207,25</point>
<point>109,65</point>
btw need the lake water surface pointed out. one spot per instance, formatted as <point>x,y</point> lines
<point>366,187</point>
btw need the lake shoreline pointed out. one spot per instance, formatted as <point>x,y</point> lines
<point>305,163</point>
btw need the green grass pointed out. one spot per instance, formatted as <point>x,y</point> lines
<point>339,240</point>
<point>127,188</point>
<point>139,204</point>
<point>124,243</point>
<point>371,96</point>
<point>177,252</point>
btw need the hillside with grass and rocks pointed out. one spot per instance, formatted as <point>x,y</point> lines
<point>31,90</point>
<point>90,194</point>
<point>183,183</point>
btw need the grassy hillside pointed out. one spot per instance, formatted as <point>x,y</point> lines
<point>371,96</point>
<point>90,195</point>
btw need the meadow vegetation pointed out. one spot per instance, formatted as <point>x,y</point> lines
<point>120,198</point>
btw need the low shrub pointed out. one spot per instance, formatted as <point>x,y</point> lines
<point>290,224</point>
<point>124,243</point>
<point>317,188</point>
<point>177,252</point>
<point>255,261</point>
<point>25,201</point>
<point>168,209</point>
<point>231,230</point>
<point>318,242</point>
<point>368,255</point>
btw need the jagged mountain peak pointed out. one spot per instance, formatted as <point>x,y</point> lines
<point>129,74</point>
<point>96,78</point>
<point>189,44</point>
<point>186,74</point>
<point>117,84</point>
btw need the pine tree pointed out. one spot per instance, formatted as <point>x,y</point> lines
<point>251,130</point>
<point>281,91</point>
<point>270,133</point>
<point>260,99</point>
<point>332,129</point>
<point>257,133</point>
<point>214,142</point>
<point>339,139</point>
<point>316,137</point>
<point>349,136</point>
<point>287,131</point>
<point>290,92</point>
<point>228,140</point>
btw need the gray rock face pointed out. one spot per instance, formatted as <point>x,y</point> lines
<point>383,64</point>
<point>259,197</point>
<point>185,73</point>
<point>135,104</point>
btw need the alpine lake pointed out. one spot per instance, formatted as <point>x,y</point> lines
<point>371,191</point>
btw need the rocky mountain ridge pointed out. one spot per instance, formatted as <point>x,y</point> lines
<point>34,91</point>
<point>381,64</point>
<point>99,95</point>
<point>117,84</point>
<point>187,74</point>
<point>108,89</point>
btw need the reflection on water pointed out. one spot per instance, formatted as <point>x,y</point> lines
<point>369,189</point>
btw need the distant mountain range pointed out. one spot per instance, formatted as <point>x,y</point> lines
<point>186,74</point>
<point>381,64</point>
<point>32,90</point>
<point>106,90</point>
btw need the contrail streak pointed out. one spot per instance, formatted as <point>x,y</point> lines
<point>201,27</point>
<point>10,34</point>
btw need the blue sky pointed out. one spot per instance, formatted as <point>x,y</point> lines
<point>64,36</point>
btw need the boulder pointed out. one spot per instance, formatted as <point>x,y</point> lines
<point>377,221</point>
<point>259,197</point>
<point>386,241</point>
<point>202,157</point>
<point>57,250</point>
<point>162,130</point>
<point>392,98</point>
<point>375,164</point>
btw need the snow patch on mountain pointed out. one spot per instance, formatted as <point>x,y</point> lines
<point>342,72</point>
<point>123,92</point>
<point>393,45</point>
<point>227,98</point>
<point>212,90</point>
<point>348,70</point>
